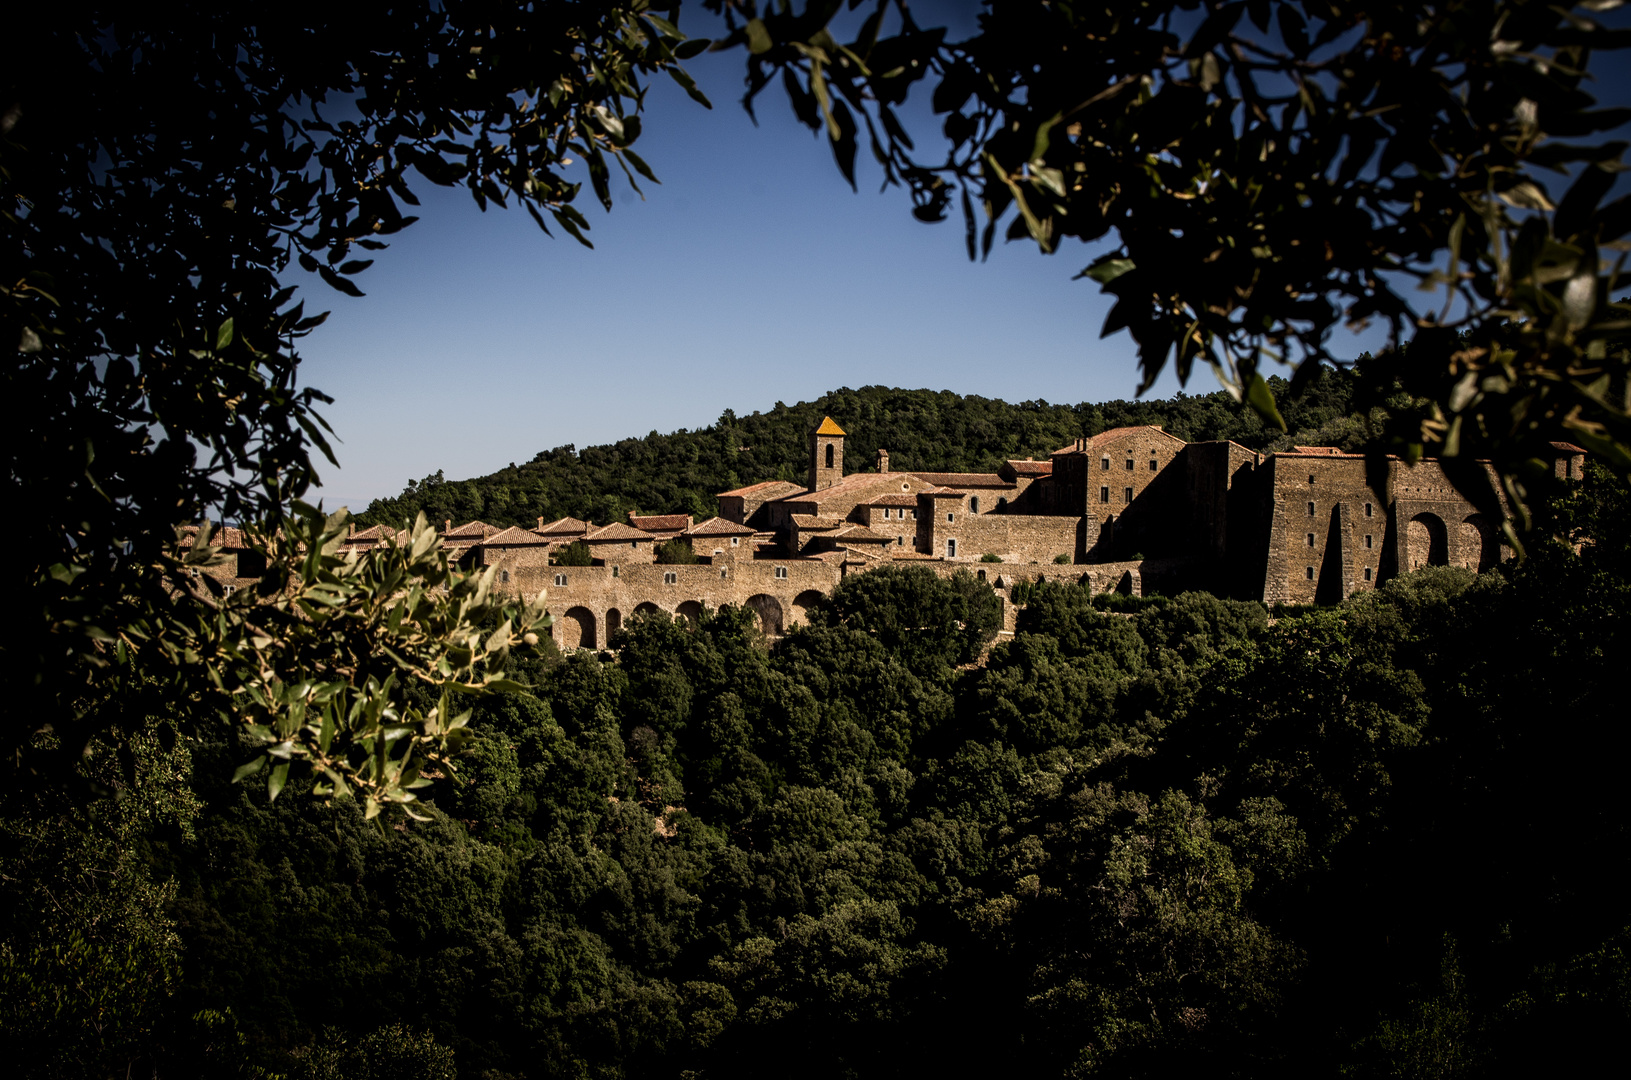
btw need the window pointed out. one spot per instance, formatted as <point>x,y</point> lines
<point>671,578</point>
<point>735,540</point>
<point>1126,494</point>
<point>1367,541</point>
<point>1104,494</point>
<point>1367,509</point>
<point>1310,509</point>
<point>1367,573</point>
<point>1310,573</point>
<point>1155,466</point>
<point>951,549</point>
<point>1310,478</point>
<point>504,575</point>
<point>829,455</point>
<point>635,544</point>
<point>1129,464</point>
<point>722,574</point>
<point>228,590</point>
<point>914,515</point>
<point>1310,539</point>
<point>900,539</point>
<point>974,505</point>
<point>1104,463</point>
<point>949,515</point>
<point>560,581</point>
<point>192,571</point>
<point>617,571</point>
<point>781,571</point>
<point>980,574</point>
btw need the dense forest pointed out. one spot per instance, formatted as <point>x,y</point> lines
<point>922,429</point>
<point>1143,836</point>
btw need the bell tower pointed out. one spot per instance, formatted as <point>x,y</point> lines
<point>826,455</point>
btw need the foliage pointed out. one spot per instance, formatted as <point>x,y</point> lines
<point>577,553</point>
<point>1210,140</point>
<point>676,553</point>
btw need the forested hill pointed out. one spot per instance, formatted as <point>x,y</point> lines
<point>922,429</point>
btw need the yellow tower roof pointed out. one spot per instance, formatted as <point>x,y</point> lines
<point>829,428</point>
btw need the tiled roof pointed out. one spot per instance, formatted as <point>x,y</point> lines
<point>377,532</point>
<point>809,522</point>
<point>942,493</point>
<point>661,522</point>
<point>515,536</point>
<point>903,499</point>
<point>828,427</point>
<point>1031,468</point>
<point>1331,450</point>
<point>855,489</point>
<point>718,526</point>
<point>863,535</point>
<point>1112,434</point>
<point>476,529</point>
<point>616,531</point>
<point>770,489</point>
<point>963,479</point>
<point>227,537</point>
<point>566,526</point>
<point>1568,448</point>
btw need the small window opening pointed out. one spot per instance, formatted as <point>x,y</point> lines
<point>735,540</point>
<point>504,575</point>
<point>1310,478</point>
<point>949,515</point>
<point>1310,573</point>
<point>980,574</point>
<point>1127,495</point>
<point>974,505</point>
<point>1367,573</point>
<point>1367,509</point>
<point>1104,463</point>
<point>1155,466</point>
<point>671,578</point>
<point>560,581</point>
<point>1104,494</point>
<point>1129,464</point>
<point>781,571</point>
<point>1367,541</point>
<point>1310,509</point>
<point>951,549</point>
<point>1310,539</point>
<point>829,455</point>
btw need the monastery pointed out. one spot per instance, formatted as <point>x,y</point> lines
<point>1130,509</point>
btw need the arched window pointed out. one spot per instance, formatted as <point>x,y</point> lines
<point>829,455</point>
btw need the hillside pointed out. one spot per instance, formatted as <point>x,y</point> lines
<point>680,472</point>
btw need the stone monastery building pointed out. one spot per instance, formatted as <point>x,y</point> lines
<point>1127,509</point>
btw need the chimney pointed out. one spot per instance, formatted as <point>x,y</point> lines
<point>883,460</point>
<point>540,521</point>
<point>447,524</point>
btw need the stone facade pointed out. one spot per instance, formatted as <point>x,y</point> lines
<point>1128,510</point>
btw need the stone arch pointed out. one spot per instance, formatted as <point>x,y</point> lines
<point>804,602</point>
<point>691,611</point>
<point>769,610</point>
<point>1427,543</point>
<point>829,455</point>
<point>1480,545</point>
<point>576,629</point>
<point>647,609</point>
<point>614,623</point>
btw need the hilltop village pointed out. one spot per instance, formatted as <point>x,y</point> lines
<point>1130,509</point>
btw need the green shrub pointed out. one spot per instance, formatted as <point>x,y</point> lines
<point>1061,559</point>
<point>576,553</point>
<point>989,557</point>
<point>676,553</point>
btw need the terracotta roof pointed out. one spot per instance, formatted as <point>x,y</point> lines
<point>477,529</point>
<point>1112,434</point>
<point>809,522</point>
<point>1331,450</point>
<point>718,526</point>
<point>227,537</point>
<point>515,536</point>
<point>1568,447</point>
<point>779,487</point>
<point>616,531</point>
<point>377,532</point>
<point>963,479</point>
<point>828,427</point>
<point>1031,468</point>
<point>566,526</point>
<point>862,534</point>
<point>855,489</point>
<point>661,522</point>
<point>942,493</point>
<point>1321,452</point>
<point>903,499</point>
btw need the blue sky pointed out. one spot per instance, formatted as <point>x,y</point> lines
<point>752,275</point>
